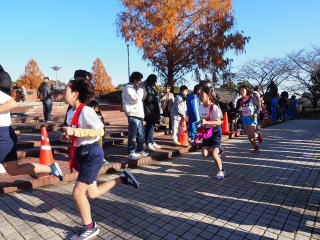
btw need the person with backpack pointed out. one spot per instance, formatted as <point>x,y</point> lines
<point>249,108</point>
<point>45,93</point>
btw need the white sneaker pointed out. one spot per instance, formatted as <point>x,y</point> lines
<point>221,175</point>
<point>134,156</point>
<point>143,153</point>
<point>156,145</point>
<point>151,147</point>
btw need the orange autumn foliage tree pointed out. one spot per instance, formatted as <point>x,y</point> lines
<point>33,77</point>
<point>179,36</point>
<point>102,80</point>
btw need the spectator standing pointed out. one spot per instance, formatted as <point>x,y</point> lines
<point>292,108</point>
<point>167,100</point>
<point>179,111</point>
<point>45,93</point>
<point>193,104</point>
<point>151,111</point>
<point>133,95</point>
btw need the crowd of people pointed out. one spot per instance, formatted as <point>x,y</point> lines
<point>144,106</point>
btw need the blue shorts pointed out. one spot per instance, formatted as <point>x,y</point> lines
<point>215,140</point>
<point>248,121</point>
<point>90,159</point>
<point>8,144</point>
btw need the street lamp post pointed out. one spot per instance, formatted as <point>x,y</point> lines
<point>56,69</point>
<point>128,62</point>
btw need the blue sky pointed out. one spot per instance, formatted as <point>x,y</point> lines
<point>72,33</point>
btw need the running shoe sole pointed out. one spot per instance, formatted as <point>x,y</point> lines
<point>132,177</point>
<point>93,235</point>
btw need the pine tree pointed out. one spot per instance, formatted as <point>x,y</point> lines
<point>33,77</point>
<point>102,80</point>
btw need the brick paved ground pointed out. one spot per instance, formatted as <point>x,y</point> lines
<point>271,195</point>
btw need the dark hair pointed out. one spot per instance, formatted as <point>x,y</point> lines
<point>257,88</point>
<point>210,91</point>
<point>151,80</point>
<point>135,76</point>
<point>85,89</point>
<point>247,88</point>
<point>93,104</point>
<point>82,74</point>
<point>183,87</point>
<point>196,88</point>
<point>46,78</point>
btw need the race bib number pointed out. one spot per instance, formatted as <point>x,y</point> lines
<point>246,111</point>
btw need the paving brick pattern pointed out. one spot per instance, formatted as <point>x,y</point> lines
<point>274,194</point>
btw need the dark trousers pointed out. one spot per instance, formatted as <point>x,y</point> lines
<point>149,132</point>
<point>47,109</point>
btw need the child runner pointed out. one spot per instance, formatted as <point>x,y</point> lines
<point>249,108</point>
<point>210,115</point>
<point>179,111</point>
<point>8,141</point>
<point>85,132</point>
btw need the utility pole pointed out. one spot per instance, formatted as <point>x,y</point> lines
<point>128,62</point>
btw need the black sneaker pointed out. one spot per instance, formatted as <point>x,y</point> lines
<point>129,179</point>
<point>86,233</point>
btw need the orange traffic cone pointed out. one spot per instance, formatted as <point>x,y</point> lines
<point>46,157</point>
<point>225,125</point>
<point>183,133</point>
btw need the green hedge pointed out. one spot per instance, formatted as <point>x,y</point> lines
<point>312,113</point>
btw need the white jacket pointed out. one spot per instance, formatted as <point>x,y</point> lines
<point>132,100</point>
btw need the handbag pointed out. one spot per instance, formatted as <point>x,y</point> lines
<point>74,163</point>
<point>203,132</point>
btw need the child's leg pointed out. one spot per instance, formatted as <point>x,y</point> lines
<point>13,168</point>
<point>80,197</point>
<point>250,130</point>
<point>205,152</point>
<point>216,158</point>
<point>175,128</point>
<point>95,190</point>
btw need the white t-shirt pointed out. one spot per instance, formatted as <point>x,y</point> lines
<point>204,111</point>
<point>5,119</point>
<point>88,119</point>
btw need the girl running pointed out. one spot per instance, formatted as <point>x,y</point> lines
<point>84,130</point>
<point>249,108</point>
<point>210,115</point>
<point>8,141</point>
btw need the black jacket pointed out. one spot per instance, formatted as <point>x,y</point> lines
<point>151,106</point>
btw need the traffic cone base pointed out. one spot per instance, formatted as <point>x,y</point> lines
<point>225,124</point>
<point>183,133</point>
<point>46,156</point>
